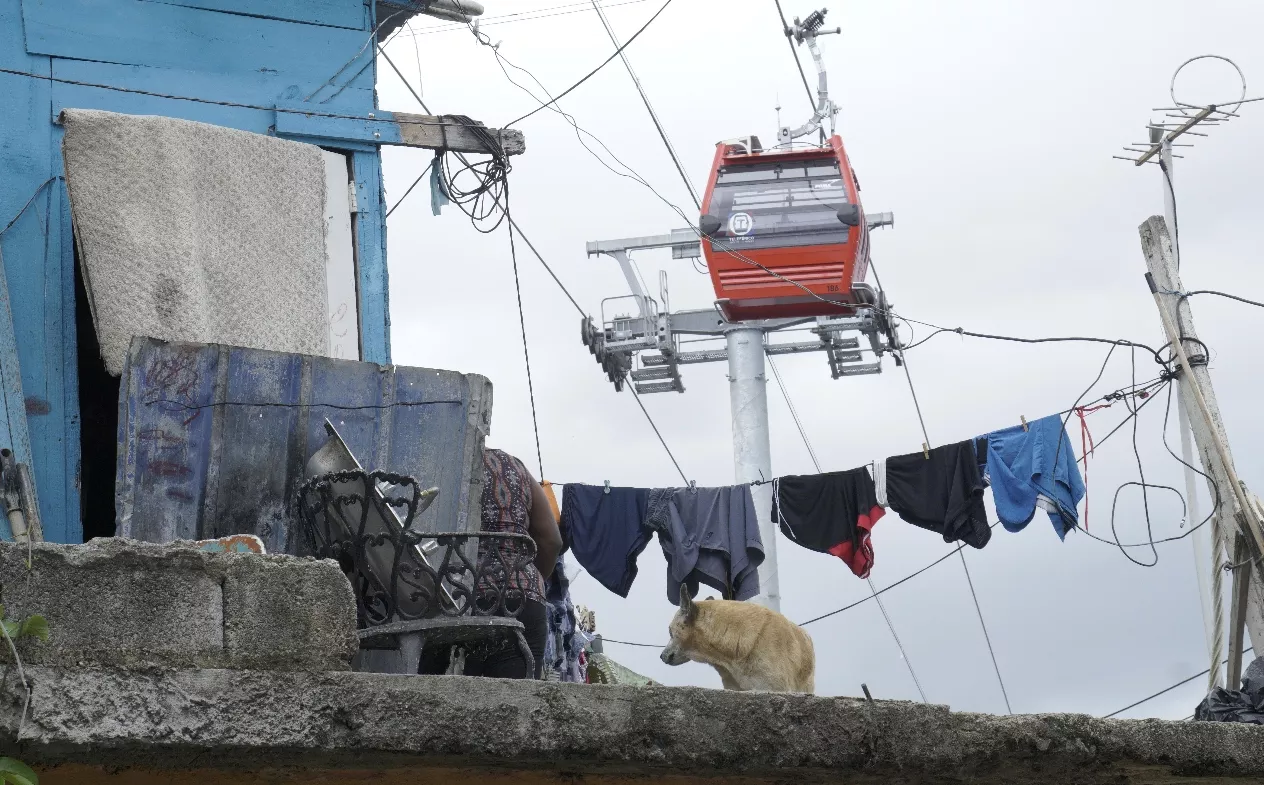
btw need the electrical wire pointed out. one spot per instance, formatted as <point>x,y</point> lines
<point>658,126</point>
<point>522,16</point>
<point>526,354</point>
<point>512,223</point>
<point>1187,295</point>
<point>370,39</point>
<point>305,111</point>
<point>1166,690</point>
<point>515,228</point>
<point>593,72</point>
<point>420,177</point>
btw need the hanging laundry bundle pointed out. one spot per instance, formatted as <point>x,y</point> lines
<point>940,490</point>
<point>1034,466</point>
<point>606,529</point>
<point>709,535</point>
<point>830,513</point>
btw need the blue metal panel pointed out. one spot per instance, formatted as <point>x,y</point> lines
<point>374,286</point>
<point>215,438</point>
<point>135,32</point>
<point>335,13</point>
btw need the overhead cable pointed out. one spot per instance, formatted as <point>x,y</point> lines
<point>662,134</point>
<point>785,393</point>
<point>521,16</point>
<point>1166,690</point>
<point>515,228</point>
<point>908,374</point>
<point>593,72</point>
<point>785,28</point>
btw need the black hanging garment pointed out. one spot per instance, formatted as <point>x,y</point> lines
<point>942,492</point>
<point>830,513</point>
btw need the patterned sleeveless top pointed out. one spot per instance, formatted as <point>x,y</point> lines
<point>506,508</point>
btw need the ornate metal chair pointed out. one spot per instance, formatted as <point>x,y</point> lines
<point>415,590</point>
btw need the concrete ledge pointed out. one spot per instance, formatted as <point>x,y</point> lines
<point>115,602</point>
<point>396,727</point>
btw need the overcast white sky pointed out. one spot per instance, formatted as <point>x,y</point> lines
<point>988,129</point>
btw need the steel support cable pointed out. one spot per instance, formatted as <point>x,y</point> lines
<point>785,393</point>
<point>960,553</point>
<point>662,134</point>
<point>515,228</point>
<point>785,29</point>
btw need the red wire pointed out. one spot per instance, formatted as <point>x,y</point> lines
<point>1086,448</point>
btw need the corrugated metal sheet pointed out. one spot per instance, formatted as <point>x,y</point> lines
<point>213,439</point>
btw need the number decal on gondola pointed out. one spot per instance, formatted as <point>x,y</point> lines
<point>740,224</point>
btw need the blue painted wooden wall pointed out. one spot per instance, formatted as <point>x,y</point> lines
<point>258,53</point>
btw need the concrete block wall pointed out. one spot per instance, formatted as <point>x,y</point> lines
<point>125,603</point>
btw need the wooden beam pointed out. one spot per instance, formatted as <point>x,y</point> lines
<point>1237,611</point>
<point>307,122</point>
<point>429,131</point>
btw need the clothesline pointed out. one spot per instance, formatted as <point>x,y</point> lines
<point>711,535</point>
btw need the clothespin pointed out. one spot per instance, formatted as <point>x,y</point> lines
<point>926,451</point>
<point>1024,420</point>
<point>607,490</point>
<point>693,486</point>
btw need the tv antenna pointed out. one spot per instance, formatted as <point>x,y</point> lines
<point>1179,122</point>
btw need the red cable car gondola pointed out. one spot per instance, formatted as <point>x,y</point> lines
<point>784,232</point>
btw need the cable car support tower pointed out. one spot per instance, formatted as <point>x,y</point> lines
<point>638,325</point>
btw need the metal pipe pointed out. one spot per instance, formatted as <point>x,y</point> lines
<point>1212,601</point>
<point>752,455</point>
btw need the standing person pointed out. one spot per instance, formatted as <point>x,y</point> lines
<point>513,502</point>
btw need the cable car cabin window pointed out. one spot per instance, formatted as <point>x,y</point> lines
<point>777,205</point>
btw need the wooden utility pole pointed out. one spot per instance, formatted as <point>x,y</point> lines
<point>1238,512</point>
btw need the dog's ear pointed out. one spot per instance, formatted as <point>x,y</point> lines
<point>687,604</point>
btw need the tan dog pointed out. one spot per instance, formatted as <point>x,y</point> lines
<point>752,647</point>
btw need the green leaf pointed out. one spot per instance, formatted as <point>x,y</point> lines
<point>17,773</point>
<point>35,626</point>
<point>12,628</point>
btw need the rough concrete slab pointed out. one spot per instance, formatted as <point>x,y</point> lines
<point>115,602</point>
<point>389,726</point>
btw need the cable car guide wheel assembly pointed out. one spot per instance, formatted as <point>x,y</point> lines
<point>786,242</point>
